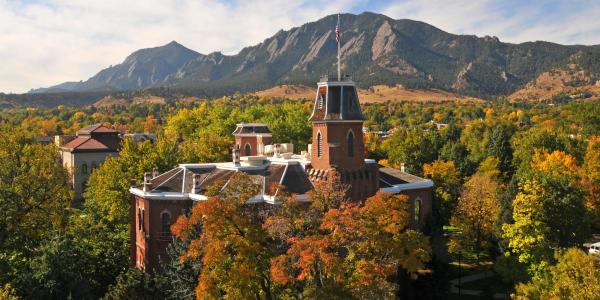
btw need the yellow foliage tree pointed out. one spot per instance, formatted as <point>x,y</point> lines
<point>476,214</point>
<point>576,276</point>
<point>590,174</point>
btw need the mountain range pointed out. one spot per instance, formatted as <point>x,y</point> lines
<point>375,50</point>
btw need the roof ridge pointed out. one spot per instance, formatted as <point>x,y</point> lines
<point>78,141</point>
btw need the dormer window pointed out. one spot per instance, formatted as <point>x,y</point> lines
<point>321,97</point>
<point>320,101</point>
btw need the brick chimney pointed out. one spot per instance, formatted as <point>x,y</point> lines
<point>147,186</point>
<point>196,183</point>
<point>235,153</point>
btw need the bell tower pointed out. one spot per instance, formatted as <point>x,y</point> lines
<point>338,150</point>
<point>337,142</point>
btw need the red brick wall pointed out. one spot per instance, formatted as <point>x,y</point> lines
<point>253,141</point>
<point>426,196</point>
<point>337,132</point>
<point>243,140</point>
<point>151,242</point>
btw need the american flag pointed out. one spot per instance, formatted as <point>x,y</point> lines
<point>337,33</point>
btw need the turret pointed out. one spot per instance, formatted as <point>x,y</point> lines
<point>337,150</point>
<point>337,126</point>
<point>251,138</point>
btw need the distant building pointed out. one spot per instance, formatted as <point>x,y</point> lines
<point>84,152</point>
<point>140,137</point>
<point>336,153</point>
<point>438,125</point>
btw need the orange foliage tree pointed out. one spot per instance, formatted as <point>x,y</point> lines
<point>326,248</point>
<point>355,250</point>
<point>233,247</point>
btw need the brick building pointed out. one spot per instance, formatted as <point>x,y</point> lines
<point>337,151</point>
<point>86,151</point>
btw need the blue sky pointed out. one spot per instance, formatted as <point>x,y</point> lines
<point>45,42</point>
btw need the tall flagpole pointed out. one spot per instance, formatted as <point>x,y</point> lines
<point>338,37</point>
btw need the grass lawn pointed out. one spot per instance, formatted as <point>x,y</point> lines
<point>468,268</point>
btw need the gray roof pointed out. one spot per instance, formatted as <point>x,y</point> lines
<point>341,103</point>
<point>389,177</point>
<point>272,177</point>
<point>245,128</point>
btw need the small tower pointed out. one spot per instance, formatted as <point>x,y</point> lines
<point>251,138</point>
<point>337,145</point>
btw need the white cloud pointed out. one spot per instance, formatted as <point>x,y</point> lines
<point>45,42</point>
<point>565,22</point>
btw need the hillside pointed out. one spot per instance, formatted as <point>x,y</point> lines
<point>378,93</point>
<point>570,80</point>
<point>143,68</point>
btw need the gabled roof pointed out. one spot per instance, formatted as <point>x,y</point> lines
<point>90,144</point>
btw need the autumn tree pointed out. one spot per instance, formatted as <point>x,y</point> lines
<point>590,174</point>
<point>232,246</point>
<point>525,144</point>
<point>446,190</point>
<point>575,276</point>
<point>476,214</point>
<point>102,225</point>
<point>413,147</point>
<point>34,199</point>
<point>356,252</point>
<point>548,212</point>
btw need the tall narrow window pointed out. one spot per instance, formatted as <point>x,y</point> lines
<point>247,149</point>
<point>140,219</point>
<point>351,144</point>
<point>319,145</point>
<point>166,223</point>
<point>417,209</point>
<point>84,169</point>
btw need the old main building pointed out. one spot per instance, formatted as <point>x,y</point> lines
<point>337,150</point>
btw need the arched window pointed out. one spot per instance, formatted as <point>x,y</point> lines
<point>247,149</point>
<point>319,145</point>
<point>84,169</point>
<point>417,209</point>
<point>165,218</point>
<point>351,144</point>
